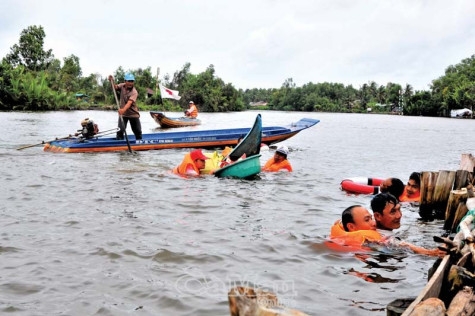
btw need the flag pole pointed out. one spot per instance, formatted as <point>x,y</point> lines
<point>156,85</point>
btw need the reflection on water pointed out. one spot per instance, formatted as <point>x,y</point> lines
<point>114,233</point>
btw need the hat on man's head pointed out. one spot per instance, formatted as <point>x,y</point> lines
<point>197,154</point>
<point>129,77</point>
<point>283,150</point>
<point>191,102</point>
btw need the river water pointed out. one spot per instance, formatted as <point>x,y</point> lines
<point>118,234</point>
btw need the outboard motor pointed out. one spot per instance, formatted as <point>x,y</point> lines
<point>89,128</point>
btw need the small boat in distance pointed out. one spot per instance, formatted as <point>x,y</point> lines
<point>166,122</point>
<point>186,139</point>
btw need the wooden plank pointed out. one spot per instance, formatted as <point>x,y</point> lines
<point>432,288</point>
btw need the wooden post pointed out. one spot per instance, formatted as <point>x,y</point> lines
<point>435,192</point>
<point>467,162</point>
<point>445,182</point>
<point>461,177</point>
<point>463,303</point>
<point>460,212</point>
<point>428,179</point>
<point>455,206</point>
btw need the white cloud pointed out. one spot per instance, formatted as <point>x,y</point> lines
<point>256,44</point>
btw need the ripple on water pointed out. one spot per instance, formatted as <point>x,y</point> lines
<point>166,256</point>
<point>20,289</point>
<point>8,249</point>
<point>105,253</point>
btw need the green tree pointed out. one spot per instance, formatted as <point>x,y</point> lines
<point>455,89</point>
<point>70,73</point>
<point>29,51</point>
<point>421,103</point>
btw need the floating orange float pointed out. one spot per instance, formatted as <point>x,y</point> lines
<point>361,185</point>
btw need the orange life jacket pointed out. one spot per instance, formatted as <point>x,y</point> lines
<point>272,166</point>
<point>193,111</point>
<point>186,166</point>
<point>354,240</point>
<point>405,198</point>
<point>226,151</point>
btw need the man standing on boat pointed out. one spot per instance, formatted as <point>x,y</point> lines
<point>192,112</point>
<point>128,106</point>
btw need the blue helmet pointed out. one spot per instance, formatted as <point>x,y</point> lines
<point>129,76</point>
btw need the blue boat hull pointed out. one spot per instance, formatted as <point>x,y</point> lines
<point>189,139</point>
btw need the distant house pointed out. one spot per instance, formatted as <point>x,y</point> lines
<point>461,113</point>
<point>260,103</point>
<point>150,92</point>
<point>82,97</point>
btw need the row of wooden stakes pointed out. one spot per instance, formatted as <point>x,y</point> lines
<point>451,281</point>
<point>443,193</point>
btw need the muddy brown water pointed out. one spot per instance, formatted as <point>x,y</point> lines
<point>118,234</point>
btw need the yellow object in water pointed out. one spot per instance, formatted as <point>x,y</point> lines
<point>212,163</point>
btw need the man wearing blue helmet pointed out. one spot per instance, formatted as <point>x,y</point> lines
<point>128,106</point>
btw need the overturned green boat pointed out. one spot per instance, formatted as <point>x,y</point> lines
<point>245,156</point>
<point>245,168</point>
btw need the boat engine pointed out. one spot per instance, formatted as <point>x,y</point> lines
<point>89,128</point>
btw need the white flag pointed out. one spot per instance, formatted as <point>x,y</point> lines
<point>168,94</point>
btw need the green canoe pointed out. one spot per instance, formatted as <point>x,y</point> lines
<point>244,168</point>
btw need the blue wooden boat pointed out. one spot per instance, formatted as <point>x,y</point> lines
<point>165,121</point>
<point>187,139</point>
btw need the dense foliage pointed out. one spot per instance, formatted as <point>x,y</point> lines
<point>32,79</point>
<point>454,90</point>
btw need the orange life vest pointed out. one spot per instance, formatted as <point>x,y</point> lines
<point>353,240</point>
<point>405,198</point>
<point>226,151</point>
<point>193,111</point>
<point>186,166</point>
<point>272,166</point>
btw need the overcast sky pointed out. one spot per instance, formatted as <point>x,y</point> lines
<point>258,43</point>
